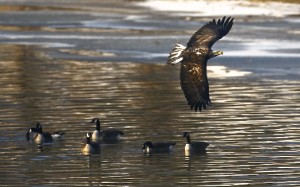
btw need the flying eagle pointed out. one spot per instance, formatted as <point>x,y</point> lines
<point>193,58</point>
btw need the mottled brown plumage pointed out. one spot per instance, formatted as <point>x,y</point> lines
<point>193,58</point>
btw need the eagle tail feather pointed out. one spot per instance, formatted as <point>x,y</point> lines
<point>176,54</point>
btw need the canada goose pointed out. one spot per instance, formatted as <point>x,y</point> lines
<point>56,135</point>
<point>158,147</point>
<point>31,133</point>
<point>106,136</point>
<point>194,147</point>
<point>90,147</point>
<point>39,137</point>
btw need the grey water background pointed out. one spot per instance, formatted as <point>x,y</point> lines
<point>63,63</point>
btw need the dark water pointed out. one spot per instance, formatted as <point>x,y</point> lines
<point>64,65</point>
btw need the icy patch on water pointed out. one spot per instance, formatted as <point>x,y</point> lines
<point>267,48</point>
<point>222,71</point>
<point>115,24</point>
<point>222,8</point>
<point>83,37</point>
<point>45,44</point>
<point>259,53</point>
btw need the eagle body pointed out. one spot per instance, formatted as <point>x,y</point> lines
<point>193,59</point>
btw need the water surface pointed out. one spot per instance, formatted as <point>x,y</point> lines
<point>64,72</point>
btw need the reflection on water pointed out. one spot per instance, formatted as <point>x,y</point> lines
<point>63,64</point>
<point>252,127</point>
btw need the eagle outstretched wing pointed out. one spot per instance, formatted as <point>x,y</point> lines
<point>194,85</point>
<point>211,32</point>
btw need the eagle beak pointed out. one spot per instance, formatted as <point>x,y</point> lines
<point>216,53</point>
<point>219,53</point>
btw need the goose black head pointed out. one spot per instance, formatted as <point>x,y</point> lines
<point>147,144</point>
<point>185,134</point>
<point>38,126</point>
<point>97,121</point>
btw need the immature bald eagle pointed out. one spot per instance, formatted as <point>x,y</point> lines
<point>193,58</point>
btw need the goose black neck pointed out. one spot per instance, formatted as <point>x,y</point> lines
<point>97,121</point>
<point>38,126</point>
<point>98,125</point>
<point>188,139</point>
<point>88,140</point>
<point>148,144</point>
<point>40,130</point>
<point>28,135</point>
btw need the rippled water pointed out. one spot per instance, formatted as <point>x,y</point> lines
<point>252,127</point>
